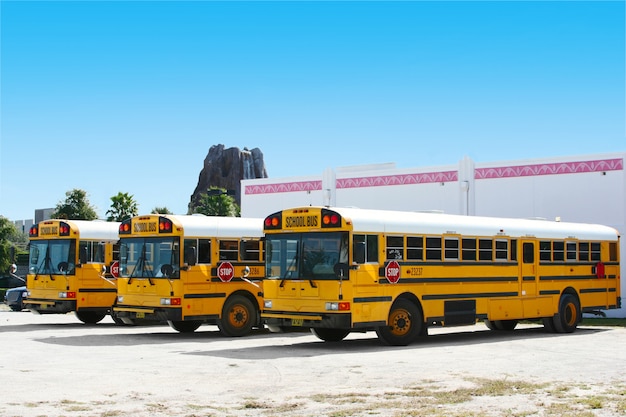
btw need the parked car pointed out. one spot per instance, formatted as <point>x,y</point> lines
<point>15,297</point>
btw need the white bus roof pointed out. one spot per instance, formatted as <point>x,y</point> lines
<point>93,229</point>
<point>402,222</point>
<point>218,226</point>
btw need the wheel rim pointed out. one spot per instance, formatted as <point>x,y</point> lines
<point>400,322</point>
<point>238,316</point>
<point>570,314</point>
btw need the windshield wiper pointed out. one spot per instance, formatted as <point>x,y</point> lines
<point>291,265</point>
<point>142,266</point>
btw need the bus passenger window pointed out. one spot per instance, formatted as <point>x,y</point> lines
<point>545,253</point>
<point>98,252</point>
<point>502,252</point>
<point>571,251</point>
<point>485,247</point>
<point>469,249</point>
<point>395,247</point>
<point>250,250</point>
<point>415,247</point>
<point>613,252</point>
<point>595,251</point>
<point>558,251</point>
<point>451,249</point>
<point>228,250</point>
<point>583,251</point>
<point>433,248</point>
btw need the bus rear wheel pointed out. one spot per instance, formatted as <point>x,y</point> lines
<point>238,317</point>
<point>405,324</point>
<point>569,314</point>
<point>330,335</point>
<point>90,317</point>
<point>185,326</point>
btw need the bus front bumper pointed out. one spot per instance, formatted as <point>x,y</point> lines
<point>315,320</point>
<point>133,314</point>
<point>46,306</point>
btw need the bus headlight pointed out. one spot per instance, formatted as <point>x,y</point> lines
<point>120,298</point>
<point>267,303</point>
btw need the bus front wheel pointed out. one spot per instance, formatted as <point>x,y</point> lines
<point>238,317</point>
<point>405,324</point>
<point>330,335</point>
<point>185,326</point>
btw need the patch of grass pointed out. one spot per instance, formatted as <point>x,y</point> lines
<point>604,322</point>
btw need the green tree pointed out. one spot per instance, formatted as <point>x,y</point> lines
<point>217,202</point>
<point>161,210</point>
<point>8,234</point>
<point>75,207</point>
<point>123,207</point>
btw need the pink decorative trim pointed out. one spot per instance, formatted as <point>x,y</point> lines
<point>285,187</point>
<point>550,169</point>
<point>407,179</point>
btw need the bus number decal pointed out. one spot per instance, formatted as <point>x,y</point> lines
<point>415,270</point>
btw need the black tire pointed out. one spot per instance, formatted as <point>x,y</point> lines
<point>405,324</point>
<point>548,324</point>
<point>238,317</point>
<point>490,324</point>
<point>569,314</point>
<point>506,325</point>
<point>185,326</point>
<point>90,317</point>
<point>330,335</point>
<point>16,308</point>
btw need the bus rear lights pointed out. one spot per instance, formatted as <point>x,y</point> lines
<point>170,301</point>
<point>343,306</point>
<point>67,294</point>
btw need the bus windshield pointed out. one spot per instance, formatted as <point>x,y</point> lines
<point>305,255</point>
<point>150,257</point>
<point>52,257</point>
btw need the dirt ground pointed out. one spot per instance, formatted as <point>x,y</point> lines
<point>53,365</point>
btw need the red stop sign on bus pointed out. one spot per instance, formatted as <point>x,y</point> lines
<point>225,271</point>
<point>115,269</point>
<point>392,272</point>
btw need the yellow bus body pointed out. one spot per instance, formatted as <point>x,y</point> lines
<point>69,265</point>
<point>191,269</point>
<point>399,272</point>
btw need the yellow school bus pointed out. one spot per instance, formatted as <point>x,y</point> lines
<point>191,269</point>
<point>69,268</point>
<point>342,270</point>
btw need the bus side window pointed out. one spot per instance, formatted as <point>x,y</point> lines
<point>358,249</point>
<point>372,248</point>
<point>84,252</point>
<point>204,251</point>
<point>190,252</point>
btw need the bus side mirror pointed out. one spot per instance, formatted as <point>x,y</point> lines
<point>359,252</point>
<point>341,270</point>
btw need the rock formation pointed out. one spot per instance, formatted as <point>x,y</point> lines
<point>225,168</point>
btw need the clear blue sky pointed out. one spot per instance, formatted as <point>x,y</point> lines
<point>129,96</point>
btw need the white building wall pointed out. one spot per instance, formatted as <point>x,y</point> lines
<point>588,189</point>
